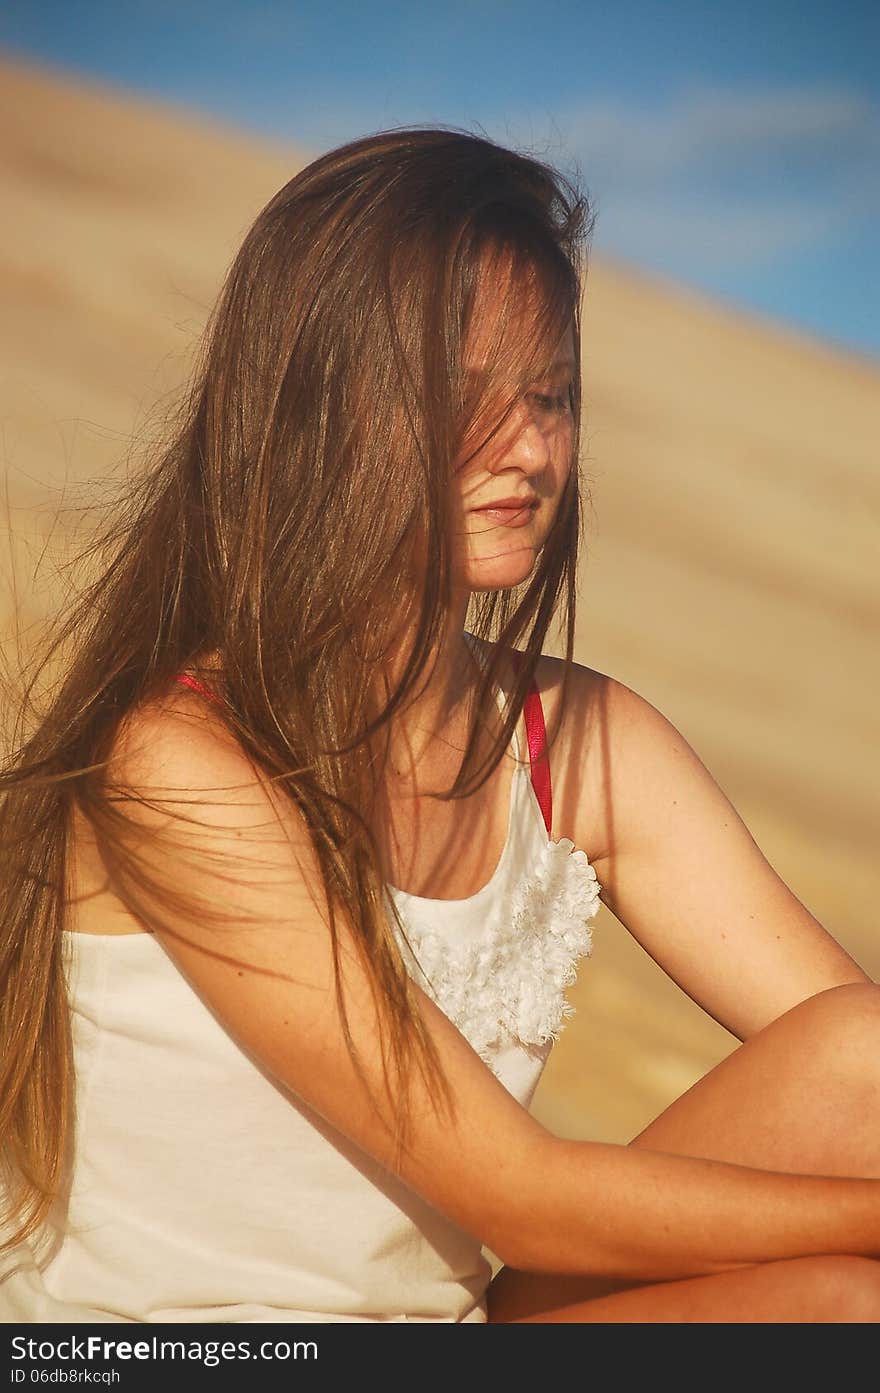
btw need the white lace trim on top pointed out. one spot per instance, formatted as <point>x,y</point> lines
<point>507,983</point>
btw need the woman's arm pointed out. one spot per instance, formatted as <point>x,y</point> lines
<point>677,865</point>
<point>540,1202</point>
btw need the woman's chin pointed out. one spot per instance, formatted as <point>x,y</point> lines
<point>499,572</point>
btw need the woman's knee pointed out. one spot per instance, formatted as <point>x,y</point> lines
<point>842,1025</point>
<point>835,1289</point>
<point>821,1289</point>
<point>801,1094</point>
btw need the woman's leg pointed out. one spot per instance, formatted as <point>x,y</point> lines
<point>802,1095</point>
<point>799,1290</point>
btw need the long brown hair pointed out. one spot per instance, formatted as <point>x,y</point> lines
<point>275,526</point>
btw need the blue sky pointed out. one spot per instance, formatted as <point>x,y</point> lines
<point>733,147</point>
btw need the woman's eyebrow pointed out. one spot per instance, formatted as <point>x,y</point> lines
<point>557,369</point>
<point>560,365</point>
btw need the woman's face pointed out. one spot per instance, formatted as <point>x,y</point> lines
<point>506,495</point>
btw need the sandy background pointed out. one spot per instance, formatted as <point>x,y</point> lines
<point>731,568</point>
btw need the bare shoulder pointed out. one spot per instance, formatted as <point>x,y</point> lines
<point>210,841</point>
<point>176,749</point>
<point>177,726</point>
<point>589,692</point>
<point>173,764</point>
<point>604,738</point>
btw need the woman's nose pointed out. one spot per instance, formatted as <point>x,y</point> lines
<point>528,447</point>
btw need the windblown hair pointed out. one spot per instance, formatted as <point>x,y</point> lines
<point>303,474</point>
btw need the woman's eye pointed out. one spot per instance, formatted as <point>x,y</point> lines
<point>555,402</point>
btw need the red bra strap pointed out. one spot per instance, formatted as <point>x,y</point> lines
<point>536,735</point>
<point>196,685</point>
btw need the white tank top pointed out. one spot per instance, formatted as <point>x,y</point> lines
<point>202,1190</point>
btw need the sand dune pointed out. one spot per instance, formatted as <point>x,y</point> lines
<point>730,573</point>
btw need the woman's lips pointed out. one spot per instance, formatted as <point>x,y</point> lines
<point>512,514</point>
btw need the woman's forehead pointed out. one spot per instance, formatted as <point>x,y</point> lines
<point>519,336</point>
<point>511,318</point>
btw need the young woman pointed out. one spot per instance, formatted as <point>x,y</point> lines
<point>304,843</point>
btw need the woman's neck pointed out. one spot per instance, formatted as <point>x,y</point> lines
<point>435,719</point>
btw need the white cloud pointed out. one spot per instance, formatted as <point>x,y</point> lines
<point>687,233</point>
<point>721,179</point>
<point>720,128</point>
